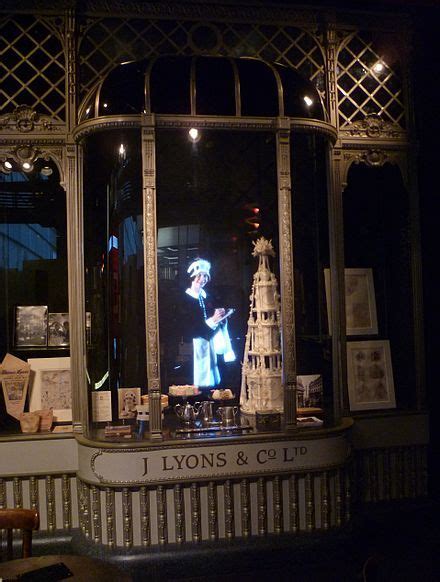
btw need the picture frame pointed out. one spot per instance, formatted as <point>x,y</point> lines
<point>309,391</point>
<point>370,375</point>
<point>102,406</point>
<point>360,301</point>
<point>31,326</point>
<point>50,387</point>
<point>128,399</point>
<point>58,330</point>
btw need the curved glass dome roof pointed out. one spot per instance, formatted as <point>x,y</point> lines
<point>201,85</point>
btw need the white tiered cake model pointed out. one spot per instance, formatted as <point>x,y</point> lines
<point>261,388</point>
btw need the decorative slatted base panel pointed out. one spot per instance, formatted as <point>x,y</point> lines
<point>53,496</point>
<point>383,474</point>
<point>193,512</point>
<point>211,510</point>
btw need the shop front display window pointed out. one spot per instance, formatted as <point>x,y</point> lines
<point>114,272</point>
<point>377,231</point>
<point>311,256</point>
<point>219,282</point>
<point>34,312</point>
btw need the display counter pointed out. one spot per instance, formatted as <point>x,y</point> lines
<point>140,493</point>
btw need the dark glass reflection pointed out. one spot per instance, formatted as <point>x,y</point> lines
<point>114,261</point>
<point>258,88</point>
<point>377,236</point>
<point>297,92</point>
<point>169,86</point>
<point>311,256</point>
<point>214,198</point>
<point>33,264</point>
<point>123,90</point>
<point>215,87</point>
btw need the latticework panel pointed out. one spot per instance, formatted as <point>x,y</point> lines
<point>367,84</point>
<point>32,65</point>
<point>108,42</point>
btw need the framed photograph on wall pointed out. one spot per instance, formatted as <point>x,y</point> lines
<point>30,326</point>
<point>370,375</point>
<point>360,301</point>
<point>50,387</point>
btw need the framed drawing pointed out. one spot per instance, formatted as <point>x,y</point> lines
<point>360,301</point>
<point>58,329</point>
<point>50,387</point>
<point>128,399</point>
<point>370,375</point>
<point>30,325</point>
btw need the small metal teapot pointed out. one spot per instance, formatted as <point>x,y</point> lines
<point>206,412</point>
<point>187,412</point>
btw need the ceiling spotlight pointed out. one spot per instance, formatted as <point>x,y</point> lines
<point>308,100</point>
<point>88,110</point>
<point>46,171</point>
<point>194,134</point>
<point>378,67</point>
<point>6,167</point>
<point>105,105</point>
<point>27,166</point>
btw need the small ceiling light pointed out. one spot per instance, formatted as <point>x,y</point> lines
<point>88,110</point>
<point>378,67</point>
<point>105,105</point>
<point>194,134</point>
<point>8,165</point>
<point>46,171</point>
<point>122,152</point>
<point>308,100</point>
<point>27,166</point>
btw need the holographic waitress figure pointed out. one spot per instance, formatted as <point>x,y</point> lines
<point>206,326</point>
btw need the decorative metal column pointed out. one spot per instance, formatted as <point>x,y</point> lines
<point>286,273</point>
<point>75,272</point>
<point>150,276</point>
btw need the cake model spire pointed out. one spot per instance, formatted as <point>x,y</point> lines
<point>261,388</point>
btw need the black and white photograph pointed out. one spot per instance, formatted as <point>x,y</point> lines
<point>128,399</point>
<point>58,330</point>
<point>309,390</point>
<point>30,325</point>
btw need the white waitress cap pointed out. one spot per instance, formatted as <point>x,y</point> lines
<point>199,266</point>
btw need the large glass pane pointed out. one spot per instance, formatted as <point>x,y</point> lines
<point>114,266</point>
<point>215,197</point>
<point>377,238</point>
<point>311,257</point>
<point>34,320</point>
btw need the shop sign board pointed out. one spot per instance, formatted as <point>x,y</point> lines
<point>189,463</point>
